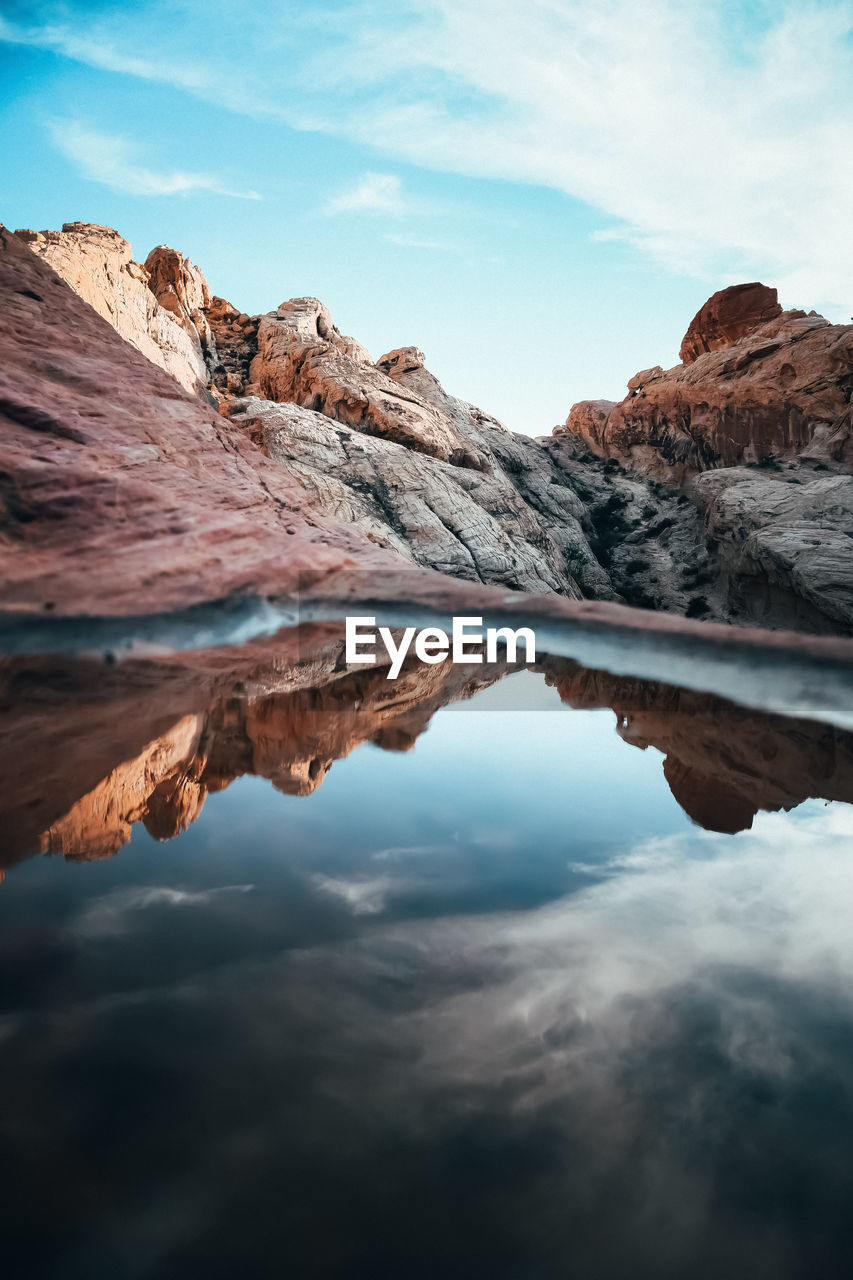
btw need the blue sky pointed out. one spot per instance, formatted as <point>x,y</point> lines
<point>539,195</point>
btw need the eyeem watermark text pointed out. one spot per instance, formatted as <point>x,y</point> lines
<point>432,644</point>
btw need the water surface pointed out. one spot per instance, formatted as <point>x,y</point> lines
<point>414,987</point>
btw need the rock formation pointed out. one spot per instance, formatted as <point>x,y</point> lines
<point>377,461</point>
<point>781,390</point>
<point>758,388</point>
<point>121,493</point>
<point>728,316</point>
<point>99,266</point>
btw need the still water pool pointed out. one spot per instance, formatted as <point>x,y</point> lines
<point>492,1005</point>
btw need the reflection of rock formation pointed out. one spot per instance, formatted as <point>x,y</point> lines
<point>315,713</point>
<point>147,742</point>
<point>723,763</point>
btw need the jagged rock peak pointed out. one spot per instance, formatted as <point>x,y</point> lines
<point>177,284</point>
<point>98,265</point>
<point>727,316</point>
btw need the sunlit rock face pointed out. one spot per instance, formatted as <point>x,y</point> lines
<point>380,459</point>
<point>123,493</point>
<point>99,266</point>
<point>728,316</point>
<point>304,359</point>
<point>758,387</point>
<point>755,382</point>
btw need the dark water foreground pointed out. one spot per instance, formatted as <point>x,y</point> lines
<point>482,972</point>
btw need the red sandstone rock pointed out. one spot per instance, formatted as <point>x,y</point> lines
<point>122,493</point>
<point>728,316</point>
<point>782,390</point>
<point>303,359</point>
<point>181,289</point>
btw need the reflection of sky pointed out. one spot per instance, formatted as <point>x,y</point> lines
<point>490,1007</point>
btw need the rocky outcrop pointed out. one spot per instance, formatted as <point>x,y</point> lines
<point>235,345</point>
<point>759,388</point>
<point>98,265</point>
<point>785,541</point>
<point>303,359</point>
<point>378,464</point>
<point>782,390</point>
<point>181,289</point>
<point>121,493</point>
<point>728,316</point>
<point>472,524</point>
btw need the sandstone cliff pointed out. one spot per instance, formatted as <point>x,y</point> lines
<point>775,388</point>
<point>99,266</point>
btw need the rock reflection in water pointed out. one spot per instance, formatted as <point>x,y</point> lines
<point>89,751</point>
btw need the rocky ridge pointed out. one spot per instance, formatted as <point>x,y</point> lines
<point>650,501</point>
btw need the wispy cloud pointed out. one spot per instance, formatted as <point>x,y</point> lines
<point>374,193</point>
<point>413,242</point>
<point>710,137</point>
<point>113,161</point>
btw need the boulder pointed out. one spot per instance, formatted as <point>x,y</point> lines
<point>727,316</point>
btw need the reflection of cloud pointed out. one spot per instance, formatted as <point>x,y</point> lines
<point>112,161</point>
<point>363,897</point>
<point>107,916</point>
<point>633,1069</point>
<point>398,853</point>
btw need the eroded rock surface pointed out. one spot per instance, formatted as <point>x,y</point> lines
<point>728,316</point>
<point>389,462</point>
<point>121,493</point>
<point>781,391</point>
<point>303,359</point>
<point>760,408</point>
<point>98,265</point>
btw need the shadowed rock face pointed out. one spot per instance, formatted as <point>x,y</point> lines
<point>722,762</point>
<point>728,316</point>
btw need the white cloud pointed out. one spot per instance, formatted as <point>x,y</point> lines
<point>714,137</point>
<point>112,161</point>
<point>375,193</point>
